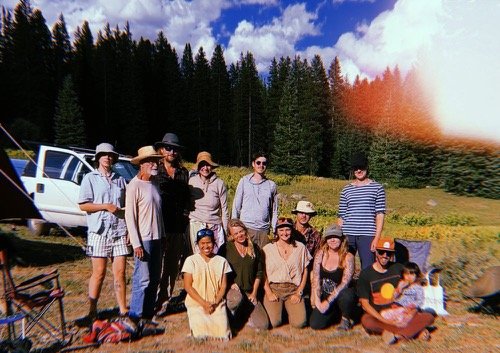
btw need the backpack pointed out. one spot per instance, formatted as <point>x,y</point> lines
<point>104,331</point>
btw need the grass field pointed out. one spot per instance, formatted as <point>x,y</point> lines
<point>465,235</point>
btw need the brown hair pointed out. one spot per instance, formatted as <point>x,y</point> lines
<point>237,223</point>
<point>343,249</point>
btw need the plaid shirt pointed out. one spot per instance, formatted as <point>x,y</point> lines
<point>311,238</point>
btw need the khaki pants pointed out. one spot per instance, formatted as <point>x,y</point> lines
<point>259,237</point>
<point>296,312</point>
<point>242,310</point>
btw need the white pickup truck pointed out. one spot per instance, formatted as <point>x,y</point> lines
<point>54,184</point>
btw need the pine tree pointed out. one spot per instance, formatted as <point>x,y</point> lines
<point>62,50</point>
<point>201,99</point>
<point>220,106</point>
<point>186,133</point>
<point>85,81</point>
<point>68,118</point>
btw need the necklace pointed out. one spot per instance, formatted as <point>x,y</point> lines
<point>284,249</point>
<point>242,249</point>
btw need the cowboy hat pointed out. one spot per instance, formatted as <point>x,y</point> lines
<point>145,152</point>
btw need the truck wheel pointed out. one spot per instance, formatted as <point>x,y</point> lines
<point>38,227</point>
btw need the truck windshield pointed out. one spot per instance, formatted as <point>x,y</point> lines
<point>126,169</point>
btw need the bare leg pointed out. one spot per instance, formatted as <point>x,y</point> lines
<point>119,266</point>
<point>96,280</point>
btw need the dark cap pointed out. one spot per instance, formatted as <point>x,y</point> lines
<point>359,161</point>
<point>333,230</point>
<point>284,222</point>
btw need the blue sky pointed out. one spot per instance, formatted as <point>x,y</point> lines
<point>452,44</point>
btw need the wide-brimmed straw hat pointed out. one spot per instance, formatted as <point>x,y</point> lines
<point>145,152</point>
<point>205,157</point>
<point>169,139</point>
<point>105,148</point>
<point>305,207</point>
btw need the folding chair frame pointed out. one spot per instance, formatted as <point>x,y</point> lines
<point>35,305</point>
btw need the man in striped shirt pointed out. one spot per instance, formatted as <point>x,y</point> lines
<point>361,211</point>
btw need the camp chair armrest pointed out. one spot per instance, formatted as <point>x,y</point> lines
<point>37,280</point>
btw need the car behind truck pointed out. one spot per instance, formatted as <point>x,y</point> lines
<point>54,184</point>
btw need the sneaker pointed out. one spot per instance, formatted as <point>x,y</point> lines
<point>345,324</point>
<point>389,337</point>
<point>149,327</point>
<point>163,310</point>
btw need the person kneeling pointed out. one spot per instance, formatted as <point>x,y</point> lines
<point>205,281</point>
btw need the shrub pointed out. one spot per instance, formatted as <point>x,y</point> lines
<point>455,219</point>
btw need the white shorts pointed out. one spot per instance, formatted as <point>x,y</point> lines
<point>102,246</point>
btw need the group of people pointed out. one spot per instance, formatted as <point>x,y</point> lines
<point>251,267</point>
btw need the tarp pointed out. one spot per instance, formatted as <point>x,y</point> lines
<point>13,203</point>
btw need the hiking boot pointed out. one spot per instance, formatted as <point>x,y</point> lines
<point>389,337</point>
<point>149,327</point>
<point>345,324</point>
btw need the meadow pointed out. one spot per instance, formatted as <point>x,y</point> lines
<point>465,235</point>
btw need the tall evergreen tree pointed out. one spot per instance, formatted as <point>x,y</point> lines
<point>62,50</point>
<point>220,105</point>
<point>186,132</point>
<point>85,81</point>
<point>68,119</point>
<point>278,74</point>
<point>201,98</point>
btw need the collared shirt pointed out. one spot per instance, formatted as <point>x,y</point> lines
<point>310,237</point>
<point>175,198</point>
<point>97,189</point>
<point>256,203</point>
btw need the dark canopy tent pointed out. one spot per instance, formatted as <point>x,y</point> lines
<point>14,204</point>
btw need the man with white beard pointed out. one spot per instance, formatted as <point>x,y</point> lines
<point>146,231</point>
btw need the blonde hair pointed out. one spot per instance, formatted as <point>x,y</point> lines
<point>343,250</point>
<point>237,223</point>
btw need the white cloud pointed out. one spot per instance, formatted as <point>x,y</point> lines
<point>257,2</point>
<point>455,48</point>
<point>277,38</point>
<point>342,1</point>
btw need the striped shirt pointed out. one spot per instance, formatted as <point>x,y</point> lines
<point>359,206</point>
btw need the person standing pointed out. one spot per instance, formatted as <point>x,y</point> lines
<point>145,226</point>
<point>209,202</point>
<point>256,201</point>
<point>175,199</point>
<point>376,286</point>
<point>102,197</point>
<point>303,230</point>
<point>361,211</point>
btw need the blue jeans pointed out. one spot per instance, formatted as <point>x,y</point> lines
<point>145,281</point>
<point>362,245</point>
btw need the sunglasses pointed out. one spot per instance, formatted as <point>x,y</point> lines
<point>383,252</point>
<point>205,233</point>
<point>264,163</point>
<point>171,148</point>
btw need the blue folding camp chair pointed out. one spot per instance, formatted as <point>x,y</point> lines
<point>418,251</point>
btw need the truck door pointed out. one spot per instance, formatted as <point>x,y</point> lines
<point>57,191</point>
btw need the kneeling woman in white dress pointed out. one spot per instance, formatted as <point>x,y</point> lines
<point>205,281</point>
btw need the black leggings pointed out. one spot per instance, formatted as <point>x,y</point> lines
<point>345,303</point>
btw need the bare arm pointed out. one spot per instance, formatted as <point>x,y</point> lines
<point>379,224</point>
<point>90,207</point>
<point>253,296</point>
<point>297,297</point>
<point>315,281</point>
<point>346,277</point>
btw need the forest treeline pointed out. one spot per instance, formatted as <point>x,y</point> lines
<point>309,118</point>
